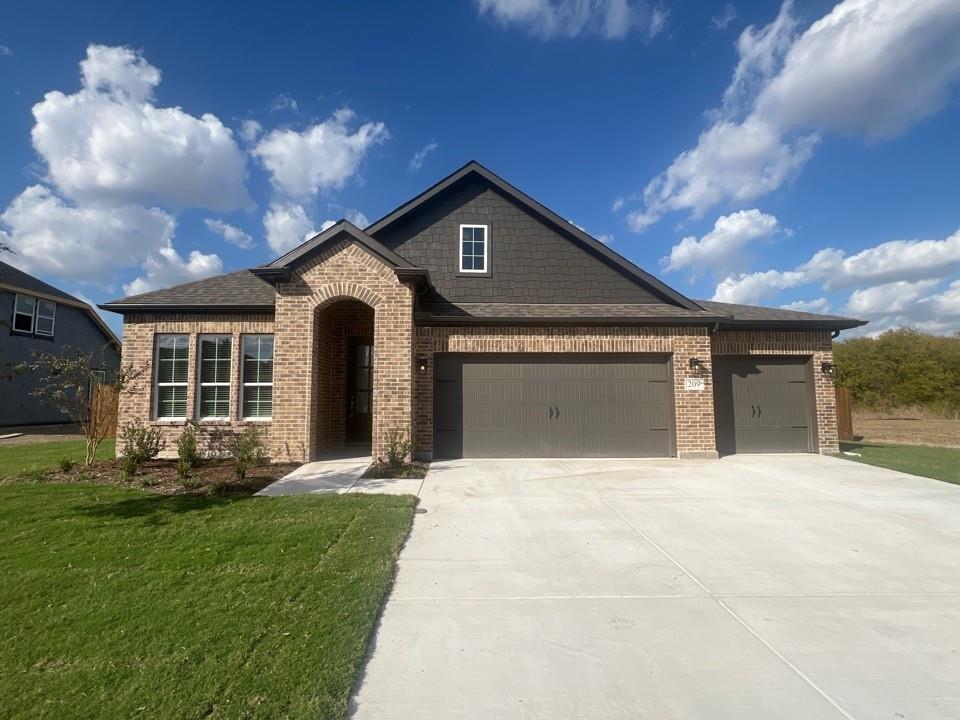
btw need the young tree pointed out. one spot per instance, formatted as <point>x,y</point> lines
<point>68,382</point>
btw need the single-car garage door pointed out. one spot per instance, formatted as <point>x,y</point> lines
<point>537,405</point>
<point>763,404</point>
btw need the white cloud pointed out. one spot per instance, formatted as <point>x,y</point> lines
<point>569,18</point>
<point>895,283</point>
<point>107,144</point>
<point>287,225</point>
<point>416,162</point>
<point>250,130</point>
<point>166,268</point>
<point>819,305</point>
<point>357,218</point>
<point>81,243</point>
<point>888,298</point>
<point>322,157</point>
<point>5,51</point>
<point>230,233</point>
<point>282,102</point>
<point>719,250</point>
<point>605,238</point>
<point>870,68</point>
<point>724,17</point>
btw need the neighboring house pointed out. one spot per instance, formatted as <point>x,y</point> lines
<point>35,316</point>
<point>486,325</point>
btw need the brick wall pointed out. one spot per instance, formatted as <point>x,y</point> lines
<point>818,345</point>
<point>136,403</point>
<point>342,271</point>
<point>694,408</point>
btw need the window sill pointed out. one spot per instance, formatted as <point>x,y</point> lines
<point>256,420</point>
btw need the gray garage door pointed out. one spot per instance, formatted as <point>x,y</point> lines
<point>763,404</point>
<point>521,405</point>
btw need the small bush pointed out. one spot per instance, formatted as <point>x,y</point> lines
<point>128,467</point>
<point>187,455</point>
<point>247,451</point>
<point>66,465</point>
<point>140,443</point>
<point>398,447</point>
<point>218,487</point>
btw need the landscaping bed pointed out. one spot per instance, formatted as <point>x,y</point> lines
<point>386,471</point>
<point>124,603</point>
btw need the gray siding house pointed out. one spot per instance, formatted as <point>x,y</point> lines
<point>35,316</point>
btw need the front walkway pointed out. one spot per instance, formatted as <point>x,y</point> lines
<point>341,474</point>
<point>781,587</point>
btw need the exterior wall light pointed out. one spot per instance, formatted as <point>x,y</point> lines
<point>827,368</point>
<point>696,364</point>
<point>422,366</point>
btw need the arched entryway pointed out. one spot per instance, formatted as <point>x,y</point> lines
<point>343,380</point>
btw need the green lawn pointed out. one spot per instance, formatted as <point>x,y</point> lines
<point>933,462</point>
<point>15,459</point>
<point>121,603</point>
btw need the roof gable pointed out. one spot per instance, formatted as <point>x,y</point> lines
<point>474,170</point>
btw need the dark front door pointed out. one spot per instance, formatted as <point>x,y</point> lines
<point>763,405</point>
<point>539,405</point>
<point>359,426</point>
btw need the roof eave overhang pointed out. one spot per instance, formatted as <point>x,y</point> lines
<point>124,309</point>
<point>425,319</point>
<point>831,325</point>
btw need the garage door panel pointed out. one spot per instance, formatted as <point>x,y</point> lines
<point>764,405</point>
<point>571,406</point>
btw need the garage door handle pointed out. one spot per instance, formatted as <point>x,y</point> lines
<point>753,411</point>
<point>551,411</point>
<point>759,411</point>
<point>557,408</point>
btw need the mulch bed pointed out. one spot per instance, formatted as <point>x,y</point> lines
<point>382,470</point>
<point>212,477</point>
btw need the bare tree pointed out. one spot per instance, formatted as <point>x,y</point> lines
<point>69,382</point>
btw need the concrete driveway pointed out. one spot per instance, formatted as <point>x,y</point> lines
<point>751,587</point>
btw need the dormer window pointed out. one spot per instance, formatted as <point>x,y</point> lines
<point>473,248</point>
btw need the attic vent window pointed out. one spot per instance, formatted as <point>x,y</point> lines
<point>473,248</point>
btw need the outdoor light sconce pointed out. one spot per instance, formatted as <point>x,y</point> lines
<point>826,368</point>
<point>422,366</point>
<point>696,364</point>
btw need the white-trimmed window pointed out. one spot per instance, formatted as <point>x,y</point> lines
<point>172,359</point>
<point>24,308</point>
<point>213,397</point>
<point>257,377</point>
<point>46,313</point>
<point>473,248</point>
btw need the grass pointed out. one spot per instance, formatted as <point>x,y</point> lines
<point>933,462</point>
<point>33,457</point>
<point>121,603</point>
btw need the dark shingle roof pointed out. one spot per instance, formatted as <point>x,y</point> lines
<point>234,291</point>
<point>560,313</point>
<point>755,315</point>
<point>9,275</point>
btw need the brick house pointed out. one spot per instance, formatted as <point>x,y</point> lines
<point>484,325</point>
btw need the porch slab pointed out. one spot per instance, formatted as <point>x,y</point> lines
<point>338,475</point>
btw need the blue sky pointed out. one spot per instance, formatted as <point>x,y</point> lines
<point>753,152</point>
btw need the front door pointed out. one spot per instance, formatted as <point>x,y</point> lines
<point>359,426</point>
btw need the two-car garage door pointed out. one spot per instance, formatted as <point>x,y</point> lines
<point>538,405</point>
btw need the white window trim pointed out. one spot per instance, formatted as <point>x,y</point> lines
<point>486,250</point>
<point>33,316</point>
<point>156,374</point>
<point>201,384</point>
<point>244,385</point>
<point>53,319</point>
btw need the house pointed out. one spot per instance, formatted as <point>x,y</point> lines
<point>37,317</point>
<point>485,325</point>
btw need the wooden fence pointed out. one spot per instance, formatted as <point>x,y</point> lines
<point>844,414</point>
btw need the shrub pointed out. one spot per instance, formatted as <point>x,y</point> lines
<point>66,464</point>
<point>398,447</point>
<point>187,455</point>
<point>247,451</point>
<point>140,443</point>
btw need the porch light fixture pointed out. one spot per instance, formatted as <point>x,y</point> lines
<point>696,364</point>
<point>827,368</point>
<point>422,366</point>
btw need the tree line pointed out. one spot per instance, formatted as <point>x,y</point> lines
<point>899,369</point>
